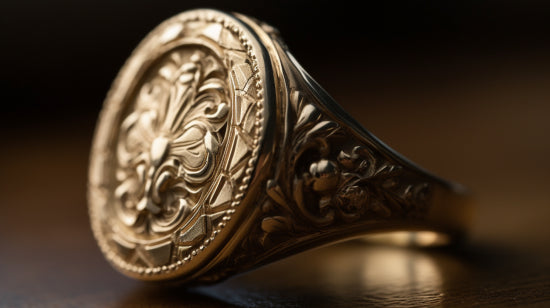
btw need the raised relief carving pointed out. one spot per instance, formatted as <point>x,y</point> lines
<point>167,145</point>
<point>176,144</point>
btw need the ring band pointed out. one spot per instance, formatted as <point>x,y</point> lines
<point>215,153</point>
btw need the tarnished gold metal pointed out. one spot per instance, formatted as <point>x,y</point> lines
<point>215,153</point>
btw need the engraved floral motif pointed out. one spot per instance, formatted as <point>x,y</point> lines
<point>167,145</point>
<point>328,179</point>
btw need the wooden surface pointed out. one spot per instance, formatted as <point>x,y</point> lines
<point>478,134</point>
<point>483,122</point>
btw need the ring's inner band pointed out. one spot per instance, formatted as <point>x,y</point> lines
<point>446,222</point>
<point>409,238</point>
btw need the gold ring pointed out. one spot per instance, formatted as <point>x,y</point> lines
<point>215,153</point>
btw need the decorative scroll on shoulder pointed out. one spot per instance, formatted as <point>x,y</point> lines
<point>329,178</point>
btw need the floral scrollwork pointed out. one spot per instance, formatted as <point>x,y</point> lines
<point>167,145</point>
<point>329,178</point>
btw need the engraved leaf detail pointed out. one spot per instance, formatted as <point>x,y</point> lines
<point>167,145</point>
<point>328,179</point>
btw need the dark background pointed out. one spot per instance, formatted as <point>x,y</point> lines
<point>59,57</point>
<point>461,87</point>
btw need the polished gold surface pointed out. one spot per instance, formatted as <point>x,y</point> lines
<point>216,153</point>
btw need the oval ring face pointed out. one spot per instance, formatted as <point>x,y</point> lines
<point>176,145</point>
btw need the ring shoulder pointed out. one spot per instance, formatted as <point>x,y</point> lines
<point>327,175</point>
<point>327,178</point>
